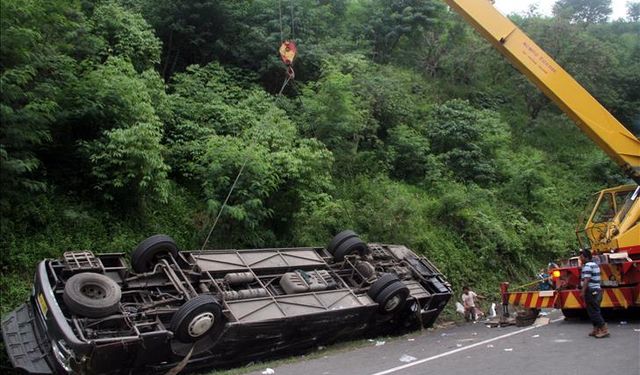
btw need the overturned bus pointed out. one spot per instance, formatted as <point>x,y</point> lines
<point>184,310</point>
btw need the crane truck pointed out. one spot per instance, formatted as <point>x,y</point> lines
<point>612,229</point>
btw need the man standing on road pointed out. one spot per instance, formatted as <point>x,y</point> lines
<point>592,294</point>
<point>471,312</point>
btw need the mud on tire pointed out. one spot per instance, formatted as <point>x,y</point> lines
<point>92,295</point>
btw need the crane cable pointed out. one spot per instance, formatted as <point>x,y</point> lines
<point>233,186</point>
<point>287,54</point>
<point>287,48</point>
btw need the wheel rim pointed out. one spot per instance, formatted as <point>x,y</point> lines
<point>201,324</point>
<point>392,303</point>
<point>93,291</point>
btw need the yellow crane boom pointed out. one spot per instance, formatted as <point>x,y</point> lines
<point>590,116</point>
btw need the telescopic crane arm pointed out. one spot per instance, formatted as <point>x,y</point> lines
<point>590,116</point>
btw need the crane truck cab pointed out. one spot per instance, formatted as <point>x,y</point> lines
<point>612,225</point>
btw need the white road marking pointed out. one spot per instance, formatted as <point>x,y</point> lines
<point>396,369</point>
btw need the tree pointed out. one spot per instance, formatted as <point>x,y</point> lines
<point>334,113</point>
<point>388,22</point>
<point>410,155</point>
<point>37,42</point>
<point>467,140</point>
<point>189,30</point>
<point>633,11</point>
<point>122,143</point>
<point>128,164</point>
<point>583,11</point>
<point>125,34</point>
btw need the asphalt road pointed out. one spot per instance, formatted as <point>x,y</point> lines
<point>561,347</point>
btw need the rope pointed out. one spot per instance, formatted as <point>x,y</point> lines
<point>290,76</point>
<point>286,81</point>
<point>225,202</point>
<point>532,283</point>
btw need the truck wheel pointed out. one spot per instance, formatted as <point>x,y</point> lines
<point>92,295</point>
<point>146,255</point>
<point>196,318</point>
<point>350,246</point>
<point>382,282</point>
<point>339,239</point>
<point>392,298</point>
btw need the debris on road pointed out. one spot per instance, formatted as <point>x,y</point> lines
<point>407,358</point>
<point>490,346</point>
<point>411,340</point>
<point>444,325</point>
<point>542,321</point>
<point>380,343</point>
<point>268,371</point>
<point>508,349</point>
<point>535,336</point>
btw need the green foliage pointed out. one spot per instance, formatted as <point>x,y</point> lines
<point>25,120</point>
<point>589,11</point>
<point>411,157</point>
<point>467,140</point>
<point>126,34</point>
<point>114,95</point>
<point>633,11</point>
<point>124,150</point>
<point>335,114</point>
<point>35,69</point>
<point>189,30</point>
<point>390,23</point>
<point>224,128</point>
<point>128,163</point>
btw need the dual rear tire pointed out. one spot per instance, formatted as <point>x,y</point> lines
<point>346,243</point>
<point>390,293</point>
